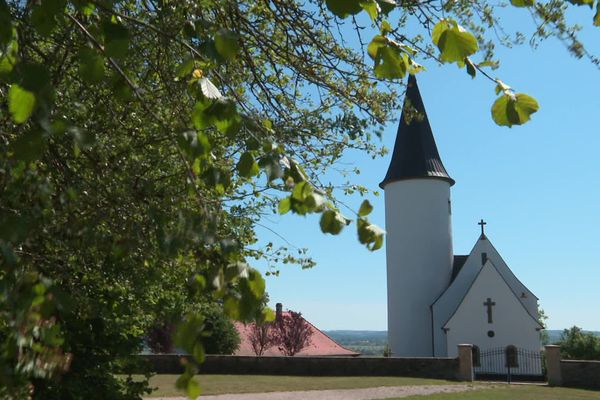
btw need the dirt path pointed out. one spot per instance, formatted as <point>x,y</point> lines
<point>344,394</point>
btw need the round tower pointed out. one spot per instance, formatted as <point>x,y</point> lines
<point>419,232</point>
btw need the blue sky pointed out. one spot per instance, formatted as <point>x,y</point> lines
<point>537,186</point>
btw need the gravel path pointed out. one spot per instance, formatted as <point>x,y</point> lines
<point>384,392</point>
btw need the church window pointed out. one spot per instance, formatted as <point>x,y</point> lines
<point>512,360</point>
<point>483,258</point>
<point>491,333</point>
<point>449,207</point>
<point>476,356</point>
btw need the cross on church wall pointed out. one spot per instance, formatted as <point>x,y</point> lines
<point>489,304</point>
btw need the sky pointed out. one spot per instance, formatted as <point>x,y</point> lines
<point>537,186</point>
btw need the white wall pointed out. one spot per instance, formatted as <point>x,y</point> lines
<point>449,301</point>
<point>511,324</point>
<point>419,260</point>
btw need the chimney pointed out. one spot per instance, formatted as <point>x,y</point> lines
<point>278,311</point>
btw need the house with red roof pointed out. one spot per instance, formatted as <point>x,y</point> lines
<point>320,344</point>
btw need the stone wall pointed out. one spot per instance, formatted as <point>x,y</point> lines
<point>440,368</point>
<point>582,374</point>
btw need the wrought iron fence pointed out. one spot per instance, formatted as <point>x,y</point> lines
<point>508,363</point>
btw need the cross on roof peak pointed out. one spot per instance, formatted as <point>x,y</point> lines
<point>482,223</point>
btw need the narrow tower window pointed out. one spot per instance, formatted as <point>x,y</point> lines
<point>483,258</point>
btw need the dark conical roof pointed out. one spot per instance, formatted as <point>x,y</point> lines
<point>415,153</point>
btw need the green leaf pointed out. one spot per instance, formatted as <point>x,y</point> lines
<point>189,29</point>
<point>301,191</point>
<point>6,29</point>
<point>194,144</point>
<point>371,7</point>
<point>513,109</point>
<point>470,68</point>
<point>29,146</point>
<point>256,284</point>
<point>193,389</point>
<point>522,3</point>
<point>8,58</point>
<point>391,63</point>
<point>369,234</point>
<point>82,139</point>
<point>597,16</point>
<point>386,6</point>
<point>21,103</point>
<point>343,8</point>
<point>453,41</point>
<point>501,87</point>
<point>185,68</point>
<point>189,331</point>
<point>227,44</point>
<point>589,3</point>
<point>116,39</point>
<point>332,222</point>
<point>198,352</point>
<point>284,205</point>
<point>385,27</point>
<point>44,16</point>
<point>377,43</point>
<point>365,208</point>
<point>91,65</point>
<point>247,166</point>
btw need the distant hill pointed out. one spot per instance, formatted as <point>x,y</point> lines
<point>555,334</point>
<point>368,343</point>
<point>373,343</point>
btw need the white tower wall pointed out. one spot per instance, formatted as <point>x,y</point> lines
<point>419,260</point>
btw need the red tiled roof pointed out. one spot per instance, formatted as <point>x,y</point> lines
<point>320,344</point>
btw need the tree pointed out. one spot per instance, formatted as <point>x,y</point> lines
<point>160,337</point>
<point>262,337</point>
<point>542,318</point>
<point>223,337</point>
<point>576,344</point>
<point>292,333</point>
<point>142,141</point>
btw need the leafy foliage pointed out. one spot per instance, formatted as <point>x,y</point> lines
<point>223,337</point>
<point>142,143</point>
<point>453,41</point>
<point>576,344</point>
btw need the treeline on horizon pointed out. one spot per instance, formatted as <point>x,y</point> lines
<point>369,342</point>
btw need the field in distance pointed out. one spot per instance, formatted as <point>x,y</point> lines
<point>367,343</point>
<point>372,343</point>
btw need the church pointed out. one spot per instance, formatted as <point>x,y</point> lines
<point>436,299</point>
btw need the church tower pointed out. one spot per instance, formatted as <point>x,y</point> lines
<point>419,233</point>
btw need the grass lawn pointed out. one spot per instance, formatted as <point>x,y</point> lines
<point>515,392</point>
<point>219,384</point>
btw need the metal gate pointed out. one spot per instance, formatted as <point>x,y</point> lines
<point>508,364</point>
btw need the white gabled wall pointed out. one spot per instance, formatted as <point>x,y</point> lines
<point>445,306</point>
<point>512,324</point>
<point>419,260</point>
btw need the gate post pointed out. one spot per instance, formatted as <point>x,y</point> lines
<point>465,362</point>
<point>553,371</point>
